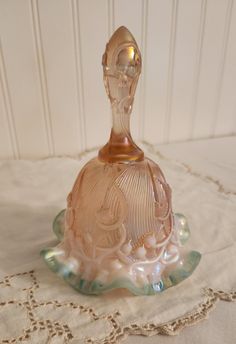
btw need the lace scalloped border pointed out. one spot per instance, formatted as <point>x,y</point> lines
<point>173,327</point>
<point>118,333</point>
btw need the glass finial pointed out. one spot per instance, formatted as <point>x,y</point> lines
<point>121,69</point>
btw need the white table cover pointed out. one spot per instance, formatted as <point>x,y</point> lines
<point>36,306</point>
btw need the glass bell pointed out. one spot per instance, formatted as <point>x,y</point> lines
<point>118,230</point>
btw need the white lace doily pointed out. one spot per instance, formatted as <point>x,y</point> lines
<point>38,307</point>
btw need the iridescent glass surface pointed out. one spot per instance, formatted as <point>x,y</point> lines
<point>118,230</point>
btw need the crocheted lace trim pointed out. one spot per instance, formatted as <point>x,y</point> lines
<point>118,332</point>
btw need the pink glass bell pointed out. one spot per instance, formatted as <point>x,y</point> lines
<point>118,230</point>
